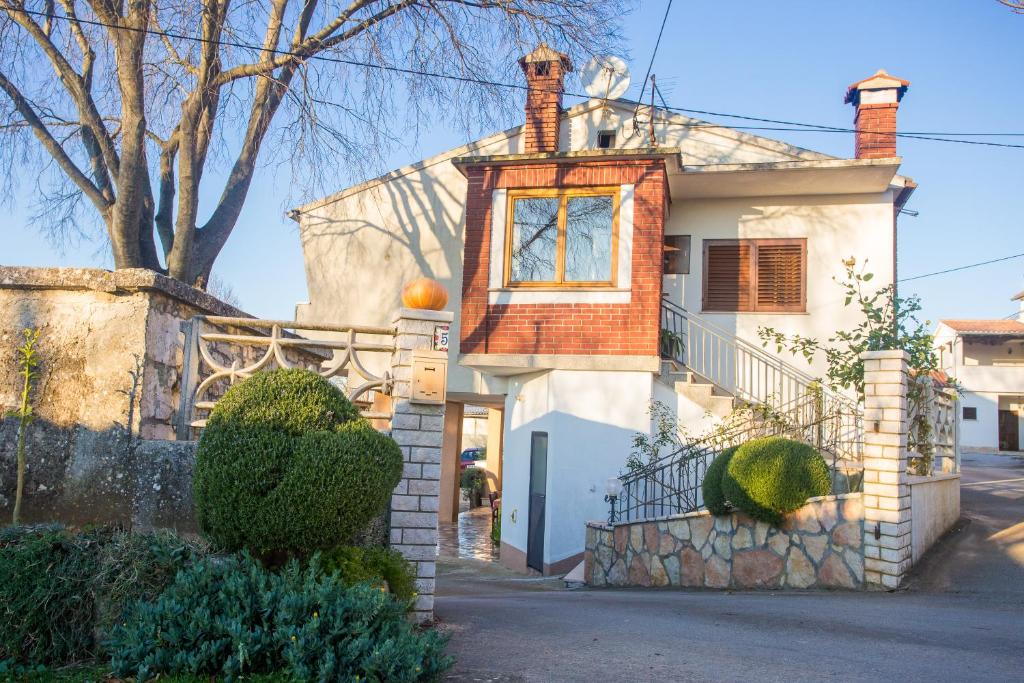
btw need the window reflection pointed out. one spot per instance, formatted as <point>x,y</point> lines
<point>588,239</point>
<point>534,239</point>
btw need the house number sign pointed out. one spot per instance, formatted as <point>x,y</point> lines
<point>441,337</point>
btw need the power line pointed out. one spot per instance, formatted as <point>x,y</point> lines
<point>657,44</point>
<point>958,268</point>
<point>794,126</point>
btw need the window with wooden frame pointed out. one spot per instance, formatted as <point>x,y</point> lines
<point>562,238</point>
<point>755,275</point>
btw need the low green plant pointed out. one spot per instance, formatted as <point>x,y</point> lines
<point>770,477</point>
<point>711,488</point>
<point>496,528</point>
<point>61,591</point>
<point>374,565</point>
<point>471,481</point>
<point>232,618</point>
<point>286,467</point>
<point>28,370</point>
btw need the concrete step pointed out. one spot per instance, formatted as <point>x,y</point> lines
<point>708,397</point>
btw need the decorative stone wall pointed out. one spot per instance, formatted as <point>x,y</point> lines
<point>818,546</point>
<point>83,452</point>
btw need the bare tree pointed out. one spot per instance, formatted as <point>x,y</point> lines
<point>124,104</point>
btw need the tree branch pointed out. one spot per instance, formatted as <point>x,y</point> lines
<point>321,41</point>
<point>73,82</point>
<point>52,146</point>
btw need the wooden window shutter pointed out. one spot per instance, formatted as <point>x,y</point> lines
<point>781,276</point>
<point>727,275</point>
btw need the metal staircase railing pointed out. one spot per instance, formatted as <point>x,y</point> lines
<point>790,403</point>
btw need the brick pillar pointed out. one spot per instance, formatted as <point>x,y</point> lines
<point>417,428</point>
<point>887,548</point>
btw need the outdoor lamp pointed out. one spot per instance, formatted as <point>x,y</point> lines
<point>612,488</point>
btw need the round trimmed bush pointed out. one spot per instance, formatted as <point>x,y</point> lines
<point>286,466</point>
<point>770,477</point>
<point>714,500</point>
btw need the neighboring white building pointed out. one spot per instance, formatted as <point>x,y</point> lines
<point>986,358</point>
<point>557,241</point>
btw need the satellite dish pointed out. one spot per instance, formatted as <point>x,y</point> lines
<point>605,78</point>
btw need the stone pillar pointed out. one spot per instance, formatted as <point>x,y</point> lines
<point>417,428</point>
<point>887,512</point>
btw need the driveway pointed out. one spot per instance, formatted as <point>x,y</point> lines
<point>962,619</point>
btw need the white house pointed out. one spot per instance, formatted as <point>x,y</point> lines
<point>580,252</point>
<point>987,359</point>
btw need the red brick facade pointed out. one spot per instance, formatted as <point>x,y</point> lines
<point>584,328</point>
<point>876,131</point>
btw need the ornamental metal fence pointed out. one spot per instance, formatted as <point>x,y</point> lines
<point>220,351</point>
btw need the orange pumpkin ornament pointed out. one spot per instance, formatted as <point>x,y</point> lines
<point>425,294</point>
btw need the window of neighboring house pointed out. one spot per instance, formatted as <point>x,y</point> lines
<point>606,139</point>
<point>970,413</point>
<point>755,275</point>
<point>562,238</point>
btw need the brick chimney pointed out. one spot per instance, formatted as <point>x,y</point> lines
<point>545,71</point>
<point>876,98</point>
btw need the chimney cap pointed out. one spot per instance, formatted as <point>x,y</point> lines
<point>543,53</point>
<point>881,80</point>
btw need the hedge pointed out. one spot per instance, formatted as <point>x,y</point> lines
<point>714,500</point>
<point>287,467</point>
<point>770,477</point>
<point>61,591</point>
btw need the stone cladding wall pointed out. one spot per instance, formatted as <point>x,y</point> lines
<point>818,546</point>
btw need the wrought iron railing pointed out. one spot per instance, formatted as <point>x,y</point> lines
<point>671,484</point>
<point>781,400</point>
<point>220,351</point>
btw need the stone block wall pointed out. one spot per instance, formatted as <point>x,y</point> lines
<point>83,449</point>
<point>819,546</point>
<point>418,429</point>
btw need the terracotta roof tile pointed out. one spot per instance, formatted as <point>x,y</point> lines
<point>985,326</point>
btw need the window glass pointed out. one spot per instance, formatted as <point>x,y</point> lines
<point>534,239</point>
<point>588,239</point>
<point>970,413</point>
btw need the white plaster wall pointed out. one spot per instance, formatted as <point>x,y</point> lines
<point>983,432</point>
<point>836,228</point>
<point>590,418</point>
<point>935,507</point>
<point>1006,355</point>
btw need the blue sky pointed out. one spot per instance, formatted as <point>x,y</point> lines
<point>782,60</point>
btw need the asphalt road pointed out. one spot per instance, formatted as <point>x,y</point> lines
<point>961,618</point>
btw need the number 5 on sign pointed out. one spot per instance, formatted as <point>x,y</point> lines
<point>441,337</point>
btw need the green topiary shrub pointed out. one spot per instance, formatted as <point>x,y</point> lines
<point>714,500</point>
<point>61,591</point>
<point>374,565</point>
<point>770,477</point>
<point>229,618</point>
<point>286,466</point>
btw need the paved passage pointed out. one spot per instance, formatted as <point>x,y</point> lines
<point>961,619</point>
